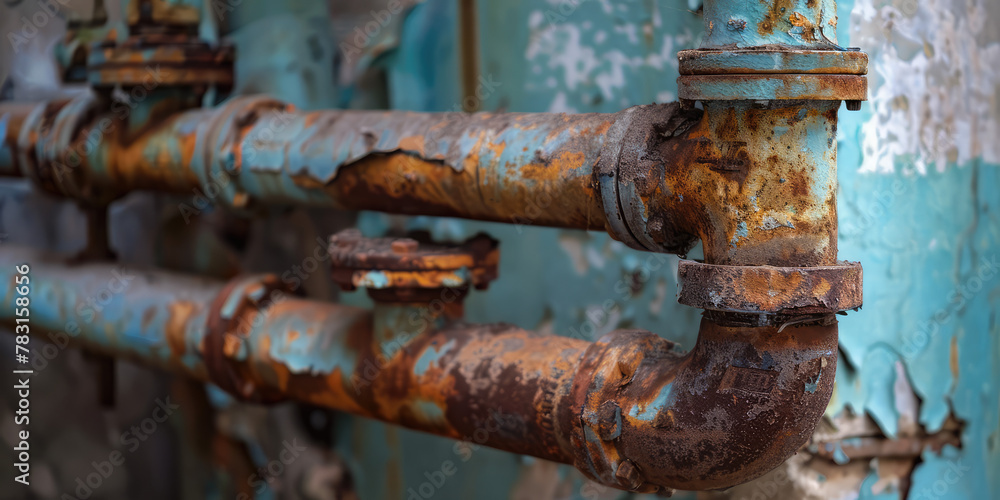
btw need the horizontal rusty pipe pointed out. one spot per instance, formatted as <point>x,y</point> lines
<point>512,167</point>
<point>630,410</point>
<point>757,186</point>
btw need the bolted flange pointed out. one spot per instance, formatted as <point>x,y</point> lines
<point>773,73</point>
<point>410,269</point>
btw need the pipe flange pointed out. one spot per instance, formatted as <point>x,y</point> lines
<point>771,290</point>
<point>231,316</point>
<point>773,73</point>
<point>626,173</point>
<point>399,269</point>
<point>152,60</point>
<point>772,60</point>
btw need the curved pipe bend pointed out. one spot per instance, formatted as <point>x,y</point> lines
<point>646,416</point>
<point>629,410</point>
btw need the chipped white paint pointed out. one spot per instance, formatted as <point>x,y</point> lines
<point>576,51</point>
<point>934,68</point>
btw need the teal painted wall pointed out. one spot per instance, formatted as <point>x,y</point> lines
<point>918,202</point>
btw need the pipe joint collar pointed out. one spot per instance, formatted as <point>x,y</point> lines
<point>628,171</point>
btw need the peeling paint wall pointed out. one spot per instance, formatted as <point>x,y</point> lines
<point>918,207</point>
<point>917,202</point>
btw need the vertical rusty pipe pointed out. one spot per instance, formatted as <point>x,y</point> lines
<point>770,77</point>
<point>740,24</point>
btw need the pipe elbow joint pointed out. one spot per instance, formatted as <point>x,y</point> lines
<point>646,417</point>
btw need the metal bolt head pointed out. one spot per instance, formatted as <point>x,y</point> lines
<point>628,475</point>
<point>853,105</point>
<point>404,246</point>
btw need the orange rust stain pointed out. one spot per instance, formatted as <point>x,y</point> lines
<point>310,119</point>
<point>554,170</point>
<point>808,28</point>
<point>147,317</point>
<point>179,314</point>
<point>774,15</point>
<point>953,358</point>
<point>412,143</point>
<point>230,345</point>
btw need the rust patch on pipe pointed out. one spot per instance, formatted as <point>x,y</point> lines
<point>732,409</point>
<point>775,13</point>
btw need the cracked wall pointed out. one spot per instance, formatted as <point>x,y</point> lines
<point>918,167</point>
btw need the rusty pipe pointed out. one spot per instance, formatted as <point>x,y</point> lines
<point>630,410</point>
<point>508,167</point>
<point>656,177</point>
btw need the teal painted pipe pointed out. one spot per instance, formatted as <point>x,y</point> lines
<point>749,395</point>
<point>733,24</point>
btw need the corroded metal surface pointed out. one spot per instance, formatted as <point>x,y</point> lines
<point>516,168</point>
<point>629,410</point>
<point>778,290</point>
<point>400,264</point>
<point>233,309</point>
<point>159,59</point>
<point>755,183</point>
<point>740,403</point>
<point>803,23</point>
<point>774,59</point>
<point>819,87</point>
<point>740,179</point>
